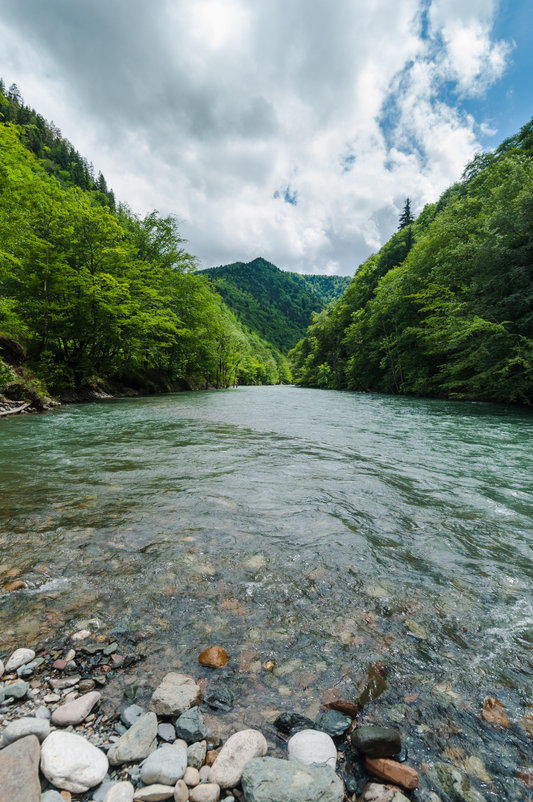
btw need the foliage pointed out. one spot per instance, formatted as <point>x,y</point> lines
<point>95,293</point>
<point>446,307</point>
<point>272,302</point>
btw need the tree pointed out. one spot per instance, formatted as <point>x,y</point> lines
<point>406,217</point>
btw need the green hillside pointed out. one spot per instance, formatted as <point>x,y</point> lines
<point>96,294</point>
<point>446,306</point>
<point>272,302</point>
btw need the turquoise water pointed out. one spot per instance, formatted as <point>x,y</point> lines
<point>323,531</point>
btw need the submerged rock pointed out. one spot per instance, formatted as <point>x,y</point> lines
<point>374,792</point>
<point>265,779</point>
<point>456,784</point>
<point>333,722</point>
<point>494,713</point>
<point>213,657</point>
<point>376,741</point>
<point>392,772</point>
<point>70,762</point>
<point>289,723</point>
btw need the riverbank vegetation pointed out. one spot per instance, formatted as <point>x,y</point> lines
<point>446,307</point>
<point>96,294</point>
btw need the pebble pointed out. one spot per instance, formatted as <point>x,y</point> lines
<point>190,726</point>
<point>86,685</point>
<point>196,754</point>
<point>82,634</point>
<point>373,792</point>
<point>154,793</point>
<point>175,694</point>
<point>211,756</point>
<point>70,655</point>
<point>333,722</point>
<point>227,769</point>
<point>312,747</point>
<point>376,741</point>
<point>130,714</point>
<point>2,669</point>
<point>266,779</point>
<point>494,713</point>
<point>290,723</point>
<point>17,690</point>
<point>181,792</point>
<point>52,796</point>
<point>213,657</point>
<point>191,776</point>
<point>166,732</point>
<point>19,771</point>
<point>50,698</point>
<point>204,774</point>
<point>77,710</point>
<point>64,682</point>
<point>120,792</point>
<point>208,792</point>
<point>23,727</point>
<point>166,765</point>
<point>71,762</point>
<point>392,772</point>
<point>137,743</point>
<point>43,712</point>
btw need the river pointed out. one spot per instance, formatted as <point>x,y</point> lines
<point>326,532</point>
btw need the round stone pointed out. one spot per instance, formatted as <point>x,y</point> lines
<point>312,747</point>
<point>71,763</point>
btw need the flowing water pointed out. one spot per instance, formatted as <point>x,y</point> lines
<point>377,545</point>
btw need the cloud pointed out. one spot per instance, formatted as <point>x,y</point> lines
<point>293,131</point>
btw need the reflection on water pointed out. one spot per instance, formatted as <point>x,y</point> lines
<point>324,531</point>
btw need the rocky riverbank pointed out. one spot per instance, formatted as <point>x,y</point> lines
<point>64,737</point>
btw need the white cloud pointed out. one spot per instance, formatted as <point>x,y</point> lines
<point>208,109</point>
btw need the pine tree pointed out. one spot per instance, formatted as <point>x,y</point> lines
<point>406,217</point>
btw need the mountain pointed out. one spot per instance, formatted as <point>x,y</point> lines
<point>274,303</point>
<point>446,307</point>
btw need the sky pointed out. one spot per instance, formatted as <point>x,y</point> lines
<point>288,129</point>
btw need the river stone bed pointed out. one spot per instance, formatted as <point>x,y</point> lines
<point>113,749</point>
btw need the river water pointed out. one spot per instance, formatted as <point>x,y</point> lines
<point>341,536</point>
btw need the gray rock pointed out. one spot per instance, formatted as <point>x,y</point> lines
<point>267,778</point>
<point>176,694</point>
<point>19,658</point>
<point>19,771</point>
<point>2,669</point>
<point>312,747</point>
<point>375,792</point>
<point>190,726</point>
<point>52,796</point>
<point>196,754</point>
<point>137,743</point>
<point>98,794</point>
<point>120,792</point>
<point>227,769</point>
<point>166,732</point>
<point>333,723</point>
<point>166,765</point>
<point>25,726</point>
<point>376,741</point>
<point>76,711</point>
<point>290,723</point>
<point>130,714</point>
<point>71,763</point>
<point>456,784</point>
<point>64,682</point>
<point>154,793</point>
<point>17,690</point>
<point>43,712</point>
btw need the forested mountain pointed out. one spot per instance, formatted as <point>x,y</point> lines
<point>95,293</point>
<point>446,306</point>
<point>272,302</point>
